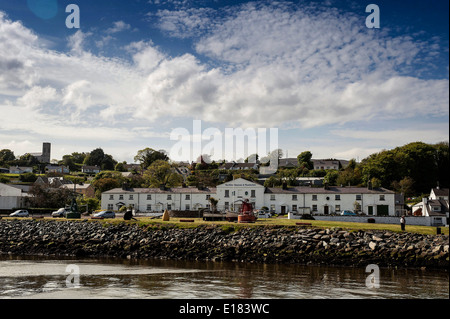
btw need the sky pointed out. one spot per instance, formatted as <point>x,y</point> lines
<point>136,72</point>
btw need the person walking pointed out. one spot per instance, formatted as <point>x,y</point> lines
<point>402,222</point>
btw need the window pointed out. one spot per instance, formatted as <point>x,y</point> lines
<point>253,194</point>
<point>272,197</point>
<point>337,197</point>
<point>227,205</point>
<point>131,196</point>
<point>188,197</point>
<point>294,207</point>
<point>149,207</point>
<point>188,207</point>
<point>169,207</point>
<point>120,197</point>
<point>272,207</point>
<point>207,197</point>
<point>294,197</point>
<point>358,197</point>
<point>110,206</point>
<point>169,197</point>
<point>314,197</point>
<point>314,208</point>
<point>338,208</point>
<point>227,193</point>
<point>111,197</point>
<point>149,197</point>
<point>381,197</point>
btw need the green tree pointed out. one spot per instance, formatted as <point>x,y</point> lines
<point>160,173</point>
<point>213,203</point>
<point>120,167</point>
<point>148,155</point>
<point>304,158</point>
<point>6,156</point>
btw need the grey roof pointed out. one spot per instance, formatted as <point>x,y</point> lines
<point>329,190</point>
<point>181,190</point>
<point>441,191</point>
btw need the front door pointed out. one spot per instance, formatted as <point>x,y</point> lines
<point>325,209</point>
<point>283,210</point>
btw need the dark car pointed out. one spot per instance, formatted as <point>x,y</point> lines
<point>105,214</point>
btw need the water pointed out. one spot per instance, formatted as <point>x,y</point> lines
<point>46,278</point>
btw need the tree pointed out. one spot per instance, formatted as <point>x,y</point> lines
<point>148,155</point>
<point>68,161</point>
<point>98,158</point>
<point>213,203</point>
<point>105,184</point>
<point>120,167</point>
<point>6,156</point>
<point>304,158</point>
<point>160,173</point>
<point>95,157</point>
<point>44,196</point>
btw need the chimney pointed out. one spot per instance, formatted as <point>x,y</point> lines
<point>425,200</point>
<point>124,186</point>
<point>369,184</point>
<point>162,187</point>
<point>200,186</point>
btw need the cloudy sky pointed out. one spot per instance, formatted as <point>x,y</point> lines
<point>136,70</point>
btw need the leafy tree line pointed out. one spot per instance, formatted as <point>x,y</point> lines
<point>412,169</point>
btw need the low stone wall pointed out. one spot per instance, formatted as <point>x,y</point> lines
<point>410,220</point>
<point>263,244</point>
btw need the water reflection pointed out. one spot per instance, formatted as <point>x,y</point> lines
<point>112,278</point>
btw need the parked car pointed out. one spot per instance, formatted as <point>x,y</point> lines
<point>348,213</point>
<point>61,212</point>
<point>20,213</point>
<point>263,214</point>
<point>105,214</point>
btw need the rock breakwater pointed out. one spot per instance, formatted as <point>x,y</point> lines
<point>224,243</point>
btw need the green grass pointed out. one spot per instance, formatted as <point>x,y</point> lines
<point>284,222</point>
<point>150,223</point>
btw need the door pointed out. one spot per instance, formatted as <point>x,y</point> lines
<point>382,210</point>
<point>325,209</point>
<point>283,210</point>
<point>370,210</point>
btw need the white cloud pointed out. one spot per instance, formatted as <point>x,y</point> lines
<point>255,65</point>
<point>118,26</point>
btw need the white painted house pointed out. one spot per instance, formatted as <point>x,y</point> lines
<point>330,200</point>
<point>434,206</point>
<point>11,197</point>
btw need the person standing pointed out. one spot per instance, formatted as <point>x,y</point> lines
<point>402,222</point>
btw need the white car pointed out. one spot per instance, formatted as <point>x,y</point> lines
<point>263,214</point>
<point>61,212</point>
<point>20,213</point>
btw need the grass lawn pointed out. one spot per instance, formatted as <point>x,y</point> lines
<point>175,222</point>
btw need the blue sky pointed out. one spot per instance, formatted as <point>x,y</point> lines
<point>136,70</point>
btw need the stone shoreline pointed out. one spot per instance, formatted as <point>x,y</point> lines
<point>287,245</point>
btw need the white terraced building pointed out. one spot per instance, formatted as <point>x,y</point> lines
<point>330,200</point>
